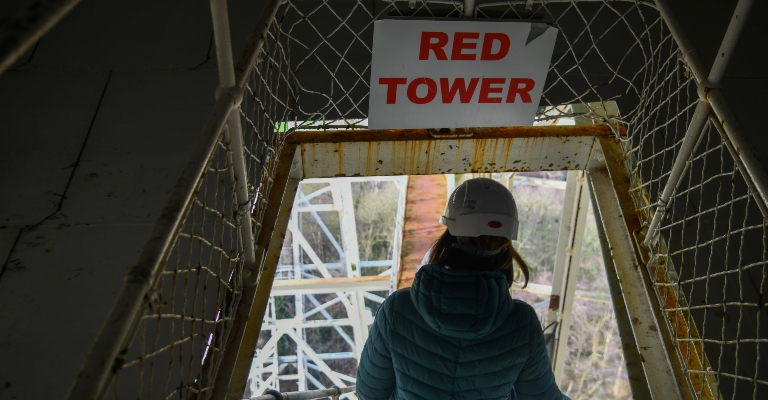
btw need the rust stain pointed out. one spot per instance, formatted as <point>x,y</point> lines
<point>340,151</point>
<point>365,135</point>
<point>424,204</point>
<point>438,156</point>
<point>368,158</point>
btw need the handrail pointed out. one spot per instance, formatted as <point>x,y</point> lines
<point>334,392</point>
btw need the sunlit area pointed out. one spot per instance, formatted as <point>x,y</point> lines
<point>323,326</point>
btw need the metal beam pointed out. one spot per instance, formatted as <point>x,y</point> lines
<point>638,383</point>
<point>567,264</point>
<point>233,134</point>
<point>422,151</point>
<point>290,287</point>
<point>662,367</point>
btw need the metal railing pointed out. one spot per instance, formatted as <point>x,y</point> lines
<point>333,393</point>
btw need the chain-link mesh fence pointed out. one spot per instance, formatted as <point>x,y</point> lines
<point>313,71</point>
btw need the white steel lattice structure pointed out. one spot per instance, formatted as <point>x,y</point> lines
<point>347,281</point>
<point>692,278</point>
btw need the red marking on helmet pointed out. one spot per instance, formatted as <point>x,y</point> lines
<point>494,224</point>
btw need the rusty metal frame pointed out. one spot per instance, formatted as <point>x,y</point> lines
<point>357,152</point>
<point>660,359</point>
<point>638,382</point>
<point>566,269</point>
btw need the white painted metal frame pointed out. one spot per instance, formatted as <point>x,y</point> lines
<point>345,279</point>
<point>566,270</point>
<point>610,184</point>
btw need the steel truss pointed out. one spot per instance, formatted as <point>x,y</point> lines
<point>349,281</point>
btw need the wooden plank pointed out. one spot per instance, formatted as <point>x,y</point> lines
<point>424,204</point>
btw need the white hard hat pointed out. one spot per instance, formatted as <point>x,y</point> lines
<point>481,206</point>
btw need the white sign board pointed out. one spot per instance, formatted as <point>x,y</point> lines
<point>457,74</point>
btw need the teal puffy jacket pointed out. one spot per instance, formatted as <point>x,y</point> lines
<point>455,335</point>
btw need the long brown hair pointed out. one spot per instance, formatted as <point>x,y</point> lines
<point>443,253</point>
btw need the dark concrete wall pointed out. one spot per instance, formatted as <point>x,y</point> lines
<point>96,122</point>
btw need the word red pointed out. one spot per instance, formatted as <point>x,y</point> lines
<point>491,89</point>
<point>435,42</point>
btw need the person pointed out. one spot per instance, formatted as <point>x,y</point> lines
<point>457,333</point>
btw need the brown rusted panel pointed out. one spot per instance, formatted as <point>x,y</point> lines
<point>424,204</point>
<point>366,135</point>
<point>441,156</point>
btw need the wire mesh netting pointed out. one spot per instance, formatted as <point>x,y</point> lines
<point>313,72</point>
<point>709,271</point>
<point>192,300</point>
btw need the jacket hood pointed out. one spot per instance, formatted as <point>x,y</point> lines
<point>461,304</point>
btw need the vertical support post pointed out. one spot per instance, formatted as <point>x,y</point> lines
<point>349,228</point>
<point>638,384</point>
<point>233,135</point>
<point>703,108</point>
<point>402,186</point>
<point>469,8</point>
<point>567,262</point>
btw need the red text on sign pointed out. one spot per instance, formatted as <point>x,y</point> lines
<point>464,46</point>
<point>491,89</point>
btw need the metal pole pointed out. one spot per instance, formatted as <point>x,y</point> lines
<point>19,33</point>
<point>638,383</point>
<point>298,297</point>
<point>561,266</point>
<point>662,361</point>
<point>706,85</point>
<point>570,251</point>
<point>653,353</point>
<point>352,260</point>
<point>233,135</point>
<point>469,8</point>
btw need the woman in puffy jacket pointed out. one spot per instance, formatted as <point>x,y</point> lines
<point>457,333</point>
